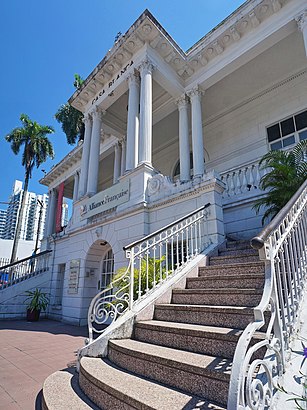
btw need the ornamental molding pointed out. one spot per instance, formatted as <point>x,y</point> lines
<point>301,21</point>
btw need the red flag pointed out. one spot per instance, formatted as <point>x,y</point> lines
<point>58,218</point>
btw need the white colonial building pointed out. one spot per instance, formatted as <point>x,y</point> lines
<point>167,131</point>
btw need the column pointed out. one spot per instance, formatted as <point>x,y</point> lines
<point>51,212</point>
<point>197,133</point>
<point>302,25</point>
<point>145,148</point>
<point>93,169</point>
<point>133,122</point>
<point>184,145</point>
<point>85,156</point>
<point>117,162</point>
<point>76,186</point>
<point>123,157</point>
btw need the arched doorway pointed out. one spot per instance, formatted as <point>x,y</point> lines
<point>99,270</point>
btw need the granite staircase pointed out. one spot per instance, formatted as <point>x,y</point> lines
<point>182,358</point>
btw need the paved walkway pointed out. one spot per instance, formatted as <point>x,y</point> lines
<point>29,352</point>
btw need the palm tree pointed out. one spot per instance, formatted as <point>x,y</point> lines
<point>71,119</point>
<point>287,172</point>
<point>36,149</point>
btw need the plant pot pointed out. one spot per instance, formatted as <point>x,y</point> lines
<point>33,315</point>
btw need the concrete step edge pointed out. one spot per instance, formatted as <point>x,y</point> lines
<point>189,362</point>
<point>218,291</point>
<point>71,394</point>
<point>129,388</point>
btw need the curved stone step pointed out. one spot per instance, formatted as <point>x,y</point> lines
<point>61,391</point>
<point>224,316</point>
<point>234,268</point>
<point>220,297</point>
<point>202,375</point>
<point>110,387</point>
<point>209,340</point>
<point>244,281</point>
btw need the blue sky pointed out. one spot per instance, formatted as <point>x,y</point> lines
<point>44,43</point>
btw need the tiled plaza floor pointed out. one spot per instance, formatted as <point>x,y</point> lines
<point>29,352</point>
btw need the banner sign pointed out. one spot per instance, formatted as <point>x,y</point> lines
<point>58,217</point>
<point>103,201</point>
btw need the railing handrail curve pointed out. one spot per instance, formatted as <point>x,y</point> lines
<point>146,238</point>
<point>257,242</point>
<point>26,259</point>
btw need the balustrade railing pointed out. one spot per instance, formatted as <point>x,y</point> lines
<point>240,180</point>
<point>152,261</point>
<point>282,246</point>
<point>23,269</point>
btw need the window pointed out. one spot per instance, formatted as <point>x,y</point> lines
<point>107,268</point>
<point>288,132</point>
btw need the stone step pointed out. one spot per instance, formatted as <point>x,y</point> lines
<point>197,374</point>
<point>243,244</point>
<point>61,391</point>
<point>231,259</point>
<point>250,280</point>
<point>110,387</point>
<point>217,297</point>
<point>224,316</point>
<point>208,340</point>
<point>235,268</point>
<point>238,252</point>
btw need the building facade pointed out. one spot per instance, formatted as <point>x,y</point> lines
<point>167,131</point>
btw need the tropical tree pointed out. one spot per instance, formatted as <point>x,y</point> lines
<point>71,119</point>
<point>32,137</point>
<point>287,170</point>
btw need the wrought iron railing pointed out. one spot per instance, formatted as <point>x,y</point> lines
<point>24,269</point>
<point>282,246</point>
<point>152,261</point>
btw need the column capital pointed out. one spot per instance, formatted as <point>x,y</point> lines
<point>146,66</point>
<point>96,113</point>
<point>301,20</point>
<point>182,101</point>
<point>133,78</point>
<point>195,92</point>
<point>86,119</point>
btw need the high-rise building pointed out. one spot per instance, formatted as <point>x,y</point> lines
<point>32,222</point>
<point>2,221</point>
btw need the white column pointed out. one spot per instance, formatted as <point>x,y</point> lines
<point>85,156</point>
<point>117,162</point>
<point>197,133</point>
<point>123,157</point>
<point>302,25</point>
<point>184,145</point>
<point>52,203</point>
<point>145,147</point>
<point>93,169</point>
<point>76,186</point>
<point>133,122</point>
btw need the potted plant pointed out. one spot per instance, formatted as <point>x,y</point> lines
<point>36,301</point>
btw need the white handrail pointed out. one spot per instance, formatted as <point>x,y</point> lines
<point>152,261</point>
<point>283,247</point>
